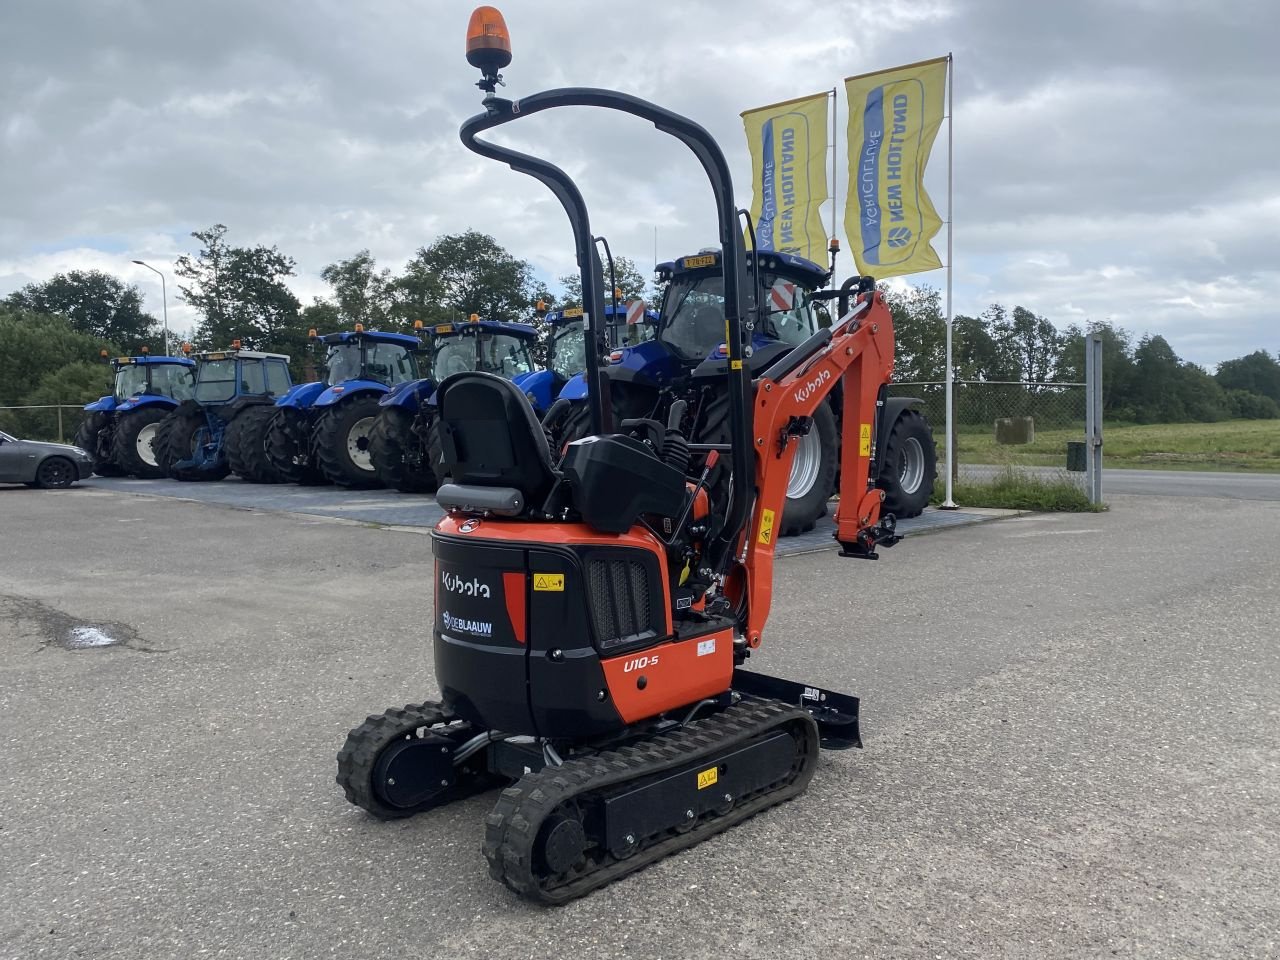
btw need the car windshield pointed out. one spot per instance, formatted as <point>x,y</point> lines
<point>568,349</point>
<point>131,380</point>
<point>342,362</point>
<point>693,313</point>
<point>216,381</point>
<point>499,353</point>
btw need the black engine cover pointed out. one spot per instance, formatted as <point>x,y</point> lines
<point>614,480</point>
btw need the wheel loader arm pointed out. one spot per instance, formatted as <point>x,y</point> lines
<point>859,354</point>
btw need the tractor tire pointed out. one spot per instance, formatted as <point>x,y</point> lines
<point>246,444</point>
<point>179,435</point>
<point>133,447</point>
<point>87,438</point>
<point>341,442</point>
<point>289,447</point>
<point>908,466</point>
<point>399,456</point>
<point>813,468</point>
<point>435,454</point>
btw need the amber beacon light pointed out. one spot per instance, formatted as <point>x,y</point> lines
<point>488,45</point>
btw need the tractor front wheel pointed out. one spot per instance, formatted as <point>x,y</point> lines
<point>908,466</point>
<point>179,440</point>
<point>398,455</point>
<point>89,438</point>
<point>341,442</point>
<point>289,447</point>
<point>133,447</point>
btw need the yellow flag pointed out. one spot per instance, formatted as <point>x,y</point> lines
<point>788,143</point>
<point>893,117</point>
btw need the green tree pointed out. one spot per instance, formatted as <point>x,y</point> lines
<point>95,303</point>
<point>1259,373</point>
<point>1117,365</point>
<point>240,294</point>
<point>362,292</point>
<point>33,345</point>
<point>920,334</point>
<point>461,274</point>
<point>629,279</point>
<point>1031,345</point>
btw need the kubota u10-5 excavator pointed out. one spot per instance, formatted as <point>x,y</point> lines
<point>593,615</point>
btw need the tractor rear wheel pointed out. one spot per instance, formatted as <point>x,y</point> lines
<point>908,466</point>
<point>289,447</point>
<point>179,438</point>
<point>813,468</point>
<point>398,455</point>
<point>341,442</point>
<point>246,443</point>
<point>133,447</point>
<point>89,438</point>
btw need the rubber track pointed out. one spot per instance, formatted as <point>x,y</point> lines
<point>511,830</point>
<point>364,744</point>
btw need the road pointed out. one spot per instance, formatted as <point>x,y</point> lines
<point>1070,729</point>
<point>1162,483</point>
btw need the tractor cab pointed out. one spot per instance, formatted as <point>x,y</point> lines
<point>146,376</point>
<point>226,375</point>
<point>691,323</point>
<point>382,358</point>
<point>489,346</point>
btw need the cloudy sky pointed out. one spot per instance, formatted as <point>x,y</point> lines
<point>1114,160</point>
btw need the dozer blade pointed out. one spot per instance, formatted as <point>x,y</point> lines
<point>835,713</point>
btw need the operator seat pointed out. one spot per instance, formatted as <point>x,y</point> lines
<point>493,447</point>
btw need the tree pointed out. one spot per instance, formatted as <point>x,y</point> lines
<point>33,345</point>
<point>462,274</point>
<point>1257,373</point>
<point>95,303</point>
<point>629,279</point>
<point>240,294</point>
<point>1117,365</point>
<point>363,293</point>
<point>920,334</point>
<point>1031,345</point>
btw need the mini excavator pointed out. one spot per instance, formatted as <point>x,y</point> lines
<point>594,611</point>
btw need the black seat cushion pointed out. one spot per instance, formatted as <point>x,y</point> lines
<point>491,437</point>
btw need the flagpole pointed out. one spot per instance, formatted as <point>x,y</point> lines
<point>949,503</point>
<point>835,141</point>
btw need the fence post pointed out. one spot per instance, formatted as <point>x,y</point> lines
<point>60,440</point>
<point>1093,414</point>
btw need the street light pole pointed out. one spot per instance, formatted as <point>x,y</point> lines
<point>164,302</point>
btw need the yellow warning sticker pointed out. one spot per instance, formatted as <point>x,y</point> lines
<point>766,527</point>
<point>864,440</point>
<point>549,582</point>
<point>736,364</point>
<point>708,777</point>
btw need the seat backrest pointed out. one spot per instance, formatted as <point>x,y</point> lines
<point>491,437</point>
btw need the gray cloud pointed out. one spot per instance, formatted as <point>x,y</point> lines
<point>1113,159</point>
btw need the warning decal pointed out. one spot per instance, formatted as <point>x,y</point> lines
<point>549,582</point>
<point>708,777</point>
<point>766,527</point>
<point>864,440</point>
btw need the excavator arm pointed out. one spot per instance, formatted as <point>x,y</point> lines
<point>858,351</point>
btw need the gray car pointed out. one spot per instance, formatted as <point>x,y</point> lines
<point>40,464</point>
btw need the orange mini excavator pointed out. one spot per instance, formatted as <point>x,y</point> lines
<point>593,612</point>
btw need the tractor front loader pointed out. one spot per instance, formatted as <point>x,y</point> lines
<point>594,612</point>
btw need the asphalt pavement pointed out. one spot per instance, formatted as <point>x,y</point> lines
<point>1070,727</point>
<point>1160,483</point>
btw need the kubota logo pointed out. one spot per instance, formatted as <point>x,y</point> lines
<point>467,588</point>
<point>807,390</point>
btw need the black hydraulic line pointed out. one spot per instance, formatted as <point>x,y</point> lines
<point>499,111</point>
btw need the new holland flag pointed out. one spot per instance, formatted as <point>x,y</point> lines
<point>894,116</point>
<point>788,143</point>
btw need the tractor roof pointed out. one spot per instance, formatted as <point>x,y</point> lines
<point>408,341</point>
<point>803,271</point>
<point>570,314</point>
<point>240,354</point>
<point>148,360</point>
<point>524,330</point>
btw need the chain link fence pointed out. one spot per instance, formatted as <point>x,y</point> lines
<point>55,422</point>
<point>1007,425</point>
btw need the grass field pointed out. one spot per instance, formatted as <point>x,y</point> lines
<point>1247,445</point>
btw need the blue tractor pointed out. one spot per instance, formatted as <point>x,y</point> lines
<point>320,432</point>
<point>119,430</point>
<point>404,443</point>
<point>686,361</point>
<point>192,442</point>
